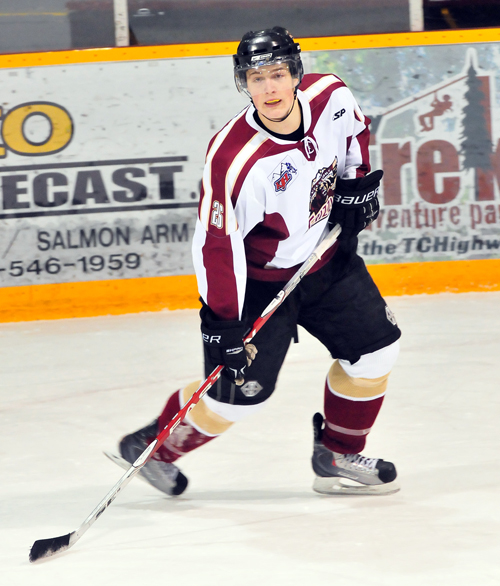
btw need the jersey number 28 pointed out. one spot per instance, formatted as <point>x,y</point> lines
<point>217,214</point>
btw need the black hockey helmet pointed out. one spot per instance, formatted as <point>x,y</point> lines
<point>266,47</point>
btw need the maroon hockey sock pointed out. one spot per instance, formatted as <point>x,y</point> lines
<point>348,422</point>
<point>184,438</point>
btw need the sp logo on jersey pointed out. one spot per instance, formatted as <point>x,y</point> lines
<point>338,114</point>
<point>283,175</point>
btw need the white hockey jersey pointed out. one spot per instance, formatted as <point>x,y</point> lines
<point>265,201</point>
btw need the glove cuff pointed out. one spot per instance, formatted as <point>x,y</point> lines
<point>221,334</point>
<point>353,188</point>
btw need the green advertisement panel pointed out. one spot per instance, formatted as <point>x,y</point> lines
<point>435,126</point>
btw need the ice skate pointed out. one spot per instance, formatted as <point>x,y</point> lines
<point>164,476</point>
<point>348,474</point>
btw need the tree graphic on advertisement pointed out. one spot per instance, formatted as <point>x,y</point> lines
<point>476,146</point>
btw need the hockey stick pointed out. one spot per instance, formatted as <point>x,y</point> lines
<point>44,548</point>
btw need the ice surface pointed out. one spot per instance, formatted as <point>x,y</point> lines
<point>69,389</point>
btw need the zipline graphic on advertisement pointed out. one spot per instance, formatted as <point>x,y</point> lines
<point>450,148</point>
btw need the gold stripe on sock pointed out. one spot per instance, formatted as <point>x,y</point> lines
<point>356,388</point>
<point>203,417</point>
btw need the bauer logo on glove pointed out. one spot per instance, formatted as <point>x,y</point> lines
<point>356,200</point>
<point>356,203</point>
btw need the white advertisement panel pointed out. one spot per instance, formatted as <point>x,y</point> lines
<point>100,163</point>
<point>100,166</point>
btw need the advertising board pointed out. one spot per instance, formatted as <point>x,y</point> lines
<point>435,129</point>
<point>100,162</point>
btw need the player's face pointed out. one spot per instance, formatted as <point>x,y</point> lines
<point>272,89</point>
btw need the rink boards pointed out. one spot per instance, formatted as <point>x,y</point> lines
<point>102,150</point>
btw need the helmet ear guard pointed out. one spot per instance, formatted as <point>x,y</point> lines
<point>264,48</point>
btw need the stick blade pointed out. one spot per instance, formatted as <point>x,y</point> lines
<point>44,548</point>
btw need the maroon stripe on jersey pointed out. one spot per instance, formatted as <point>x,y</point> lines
<point>311,78</point>
<point>211,142</point>
<point>237,138</point>
<point>262,241</point>
<point>364,141</point>
<point>265,149</point>
<point>222,293</point>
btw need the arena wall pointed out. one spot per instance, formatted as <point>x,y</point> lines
<point>102,150</point>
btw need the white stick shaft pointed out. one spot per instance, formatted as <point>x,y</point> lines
<point>322,247</point>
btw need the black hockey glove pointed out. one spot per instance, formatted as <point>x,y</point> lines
<point>356,203</point>
<point>223,342</point>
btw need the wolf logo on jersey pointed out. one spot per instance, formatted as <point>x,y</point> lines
<point>321,199</point>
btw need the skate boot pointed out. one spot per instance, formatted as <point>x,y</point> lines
<point>345,474</point>
<point>164,476</point>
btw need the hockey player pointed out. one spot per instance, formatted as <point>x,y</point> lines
<point>277,177</point>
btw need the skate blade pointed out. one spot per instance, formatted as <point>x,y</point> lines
<point>336,486</point>
<point>142,474</point>
<point>118,460</point>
